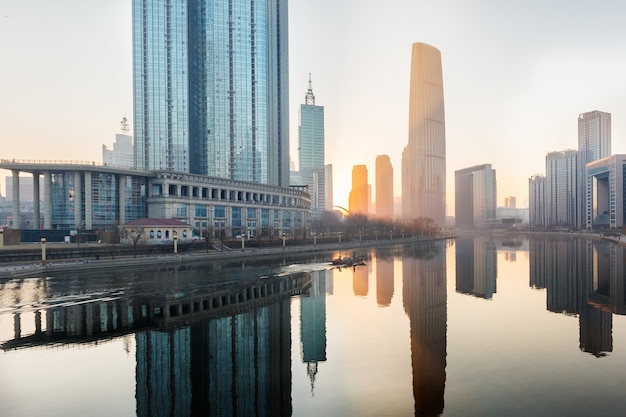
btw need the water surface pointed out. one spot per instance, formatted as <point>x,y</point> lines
<point>483,326</point>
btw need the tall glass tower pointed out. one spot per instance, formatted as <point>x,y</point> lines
<point>424,157</point>
<point>311,132</point>
<point>313,172</point>
<point>211,88</point>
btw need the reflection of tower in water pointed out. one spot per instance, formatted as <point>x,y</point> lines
<point>580,277</point>
<point>476,266</point>
<point>313,323</point>
<point>598,304</point>
<point>424,297</point>
<point>384,281</point>
<point>360,284</point>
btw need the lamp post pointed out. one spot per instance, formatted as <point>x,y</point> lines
<point>43,251</point>
<point>175,245</point>
<point>283,235</point>
<point>243,241</point>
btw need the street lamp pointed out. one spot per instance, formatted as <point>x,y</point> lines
<point>43,251</point>
<point>175,244</point>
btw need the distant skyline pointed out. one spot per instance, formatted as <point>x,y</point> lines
<point>515,75</point>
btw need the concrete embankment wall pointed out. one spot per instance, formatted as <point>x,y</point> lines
<point>128,261</point>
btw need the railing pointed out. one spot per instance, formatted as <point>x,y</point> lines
<point>51,162</point>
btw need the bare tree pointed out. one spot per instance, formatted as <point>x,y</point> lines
<point>135,235</point>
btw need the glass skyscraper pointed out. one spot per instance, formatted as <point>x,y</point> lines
<point>311,132</point>
<point>424,157</point>
<point>311,152</point>
<point>211,88</point>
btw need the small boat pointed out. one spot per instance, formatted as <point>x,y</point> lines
<point>347,261</point>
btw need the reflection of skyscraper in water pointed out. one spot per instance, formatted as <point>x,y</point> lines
<point>476,266</point>
<point>236,365</point>
<point>313,324</point>
<point>537,263</point>
<point>563,263</point>
<point>384,281</point>
<point>424,298</point>
<point>163,373</point>
<point>360,285</point>
<point>596,315</point>
<point>577,278</point>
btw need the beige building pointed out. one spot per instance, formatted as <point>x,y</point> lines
<point>155,231</point>
<point>424,157</point>
<point>384,187</point>
<point>359,200</point>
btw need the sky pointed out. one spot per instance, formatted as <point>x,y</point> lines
<point>516,76</point>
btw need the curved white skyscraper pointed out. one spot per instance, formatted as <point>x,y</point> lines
<point>424,157</point>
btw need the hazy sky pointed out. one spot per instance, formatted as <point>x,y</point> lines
<point>516,76</point>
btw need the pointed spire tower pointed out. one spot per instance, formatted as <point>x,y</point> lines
<point>309,99</point>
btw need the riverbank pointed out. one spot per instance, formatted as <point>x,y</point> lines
<point>36,269</point>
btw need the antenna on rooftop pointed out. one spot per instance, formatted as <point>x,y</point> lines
<point>124,123</point>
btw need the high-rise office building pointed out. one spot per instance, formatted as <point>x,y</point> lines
<point>607,205</point>
<point>475,196</point>
<point>384,187</point>
<point>311,132</point>
<point>594,142</point>
<point>211,88</point>
<point>560,188</point>
<point>537,201</point>
<point>359,201</point>
<point>424,157</point>
<point>311,152</point>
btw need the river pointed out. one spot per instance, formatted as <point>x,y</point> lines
<point>476,326</point>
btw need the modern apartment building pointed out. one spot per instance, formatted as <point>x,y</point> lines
<point>594,142</point>
<point>561,189</point>
<point>537,201</point>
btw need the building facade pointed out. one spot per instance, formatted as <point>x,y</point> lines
<point>359,195</point>
<point>561,189</point>
<point>384,187</point>
<point>99,197</point>
<point>605,181</point>
<point>424,157</point>
<point>475,196</point>
<point>594,142</point>
<point>537,201</point>
<point>211,88</point>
